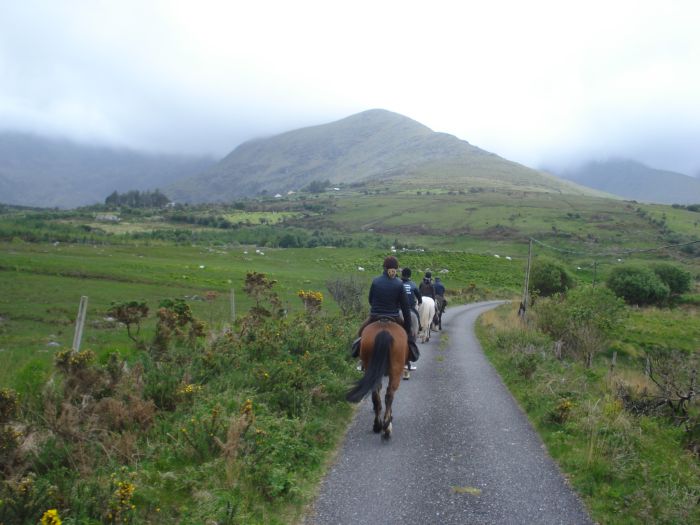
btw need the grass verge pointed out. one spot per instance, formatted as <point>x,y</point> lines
<point>628,467</point>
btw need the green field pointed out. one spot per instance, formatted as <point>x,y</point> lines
<point>42,285</point>
<point>237,425</point>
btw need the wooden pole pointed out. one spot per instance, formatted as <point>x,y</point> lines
<point>233,306</point>
<point>80,323</point>
<point>526,285</point>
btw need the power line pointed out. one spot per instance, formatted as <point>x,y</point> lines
<point>612,254</point>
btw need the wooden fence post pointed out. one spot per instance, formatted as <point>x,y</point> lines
<point>80,323</point>
<point>557,349</point>
<point>233,307</point>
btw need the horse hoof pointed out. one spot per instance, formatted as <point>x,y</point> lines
<point>377,428</point>
<point>406,374</point>
<point>387,431</point>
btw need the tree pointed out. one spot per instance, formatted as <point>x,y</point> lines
<point>317,186</point>
<point>637,285</point>
<point>113,199</point>
<point>136,199</point>
<point>549,277</point>
<point>677,279</point>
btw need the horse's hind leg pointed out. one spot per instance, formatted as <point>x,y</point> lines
<point>388,401</point>
<point>377,403</point>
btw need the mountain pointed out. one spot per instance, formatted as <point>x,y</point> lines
<point>375,145</point>
<point>46,172</point>
<point>635,181</point>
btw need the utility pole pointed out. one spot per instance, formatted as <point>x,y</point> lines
<point>526,285</point>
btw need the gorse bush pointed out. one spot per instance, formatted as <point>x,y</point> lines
<point>249,417</point>
<point>638,285</point>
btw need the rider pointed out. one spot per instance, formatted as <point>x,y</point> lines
<point>386,298</point>
<point>426,286</point>
<point>440,294</point>
<point>412,293</point>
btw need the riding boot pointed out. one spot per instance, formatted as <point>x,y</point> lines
<point>414,353</point>
<point>356,348</point>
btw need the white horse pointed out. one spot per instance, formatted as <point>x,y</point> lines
<point>426,310</point>
<point>414,323</point>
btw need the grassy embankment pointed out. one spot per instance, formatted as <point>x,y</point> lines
<point>630,464</point>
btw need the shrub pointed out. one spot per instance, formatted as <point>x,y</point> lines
<point>549,277</point>
<point>562,411</point>
<point>677,279</point>
<point>312,300</point>
<point>582,319</point>
<point>175,320</point>
<point>129,313</point>
<point>348,293</point>
<point>637,285</point>
<point>526,364</point>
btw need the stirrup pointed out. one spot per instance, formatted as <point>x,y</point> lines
<point>356,347</point>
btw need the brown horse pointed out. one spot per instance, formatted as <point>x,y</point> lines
<point>384,352</point>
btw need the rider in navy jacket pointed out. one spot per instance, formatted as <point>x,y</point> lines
<point>439,287</point>
<point>412,293</point>
<point>440,300</point>
<point>387,298</point>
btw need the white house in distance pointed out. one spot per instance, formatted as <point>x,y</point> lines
<point>107,217</point>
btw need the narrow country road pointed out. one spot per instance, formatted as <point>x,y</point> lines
<point>462,451</point>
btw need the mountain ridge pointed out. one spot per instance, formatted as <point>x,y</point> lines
<point>42,171</point>
<point>363,147</point>
<point>634,180</point>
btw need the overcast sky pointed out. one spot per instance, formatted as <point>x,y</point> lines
<point>545,83</point>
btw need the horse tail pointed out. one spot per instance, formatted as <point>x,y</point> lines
<point>377,369</point>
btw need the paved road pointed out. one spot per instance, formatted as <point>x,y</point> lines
<point>461,451</point>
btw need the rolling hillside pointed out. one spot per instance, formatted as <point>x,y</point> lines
<point>43,172</point>
<point>633,180</point>
<point>375,145</point>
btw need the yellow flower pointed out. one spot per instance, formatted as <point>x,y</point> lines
<point>50,517</point>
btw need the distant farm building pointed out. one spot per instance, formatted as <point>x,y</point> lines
<point>107,217</point>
